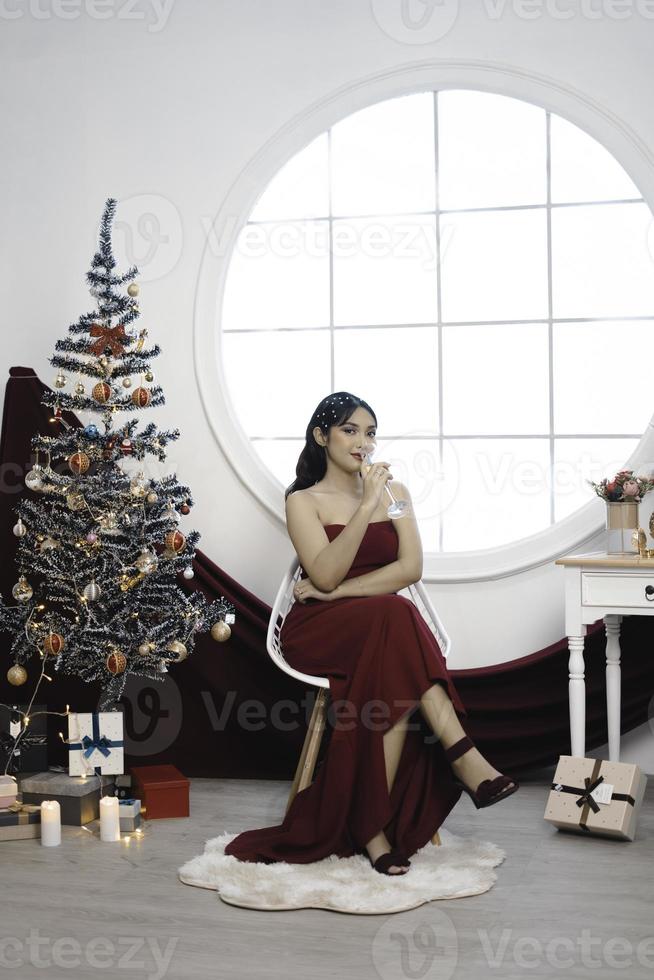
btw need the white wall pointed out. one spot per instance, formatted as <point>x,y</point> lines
<point>164,110</point>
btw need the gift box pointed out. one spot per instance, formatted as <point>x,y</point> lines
<point>162,790</point>
<point>129,815</point>
<point>95,743</point>
<point>594,796</point>
<point>78,796</point>
<point>123,786</point>
<point>30,754</point>
<point>19,821</point>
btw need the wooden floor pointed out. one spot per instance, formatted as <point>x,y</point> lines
<point>562,906</point>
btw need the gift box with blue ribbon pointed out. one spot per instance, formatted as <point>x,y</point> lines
<point>95,743</point>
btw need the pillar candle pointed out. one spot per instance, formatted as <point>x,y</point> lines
<point>109,819</point>
<point>50,823</point>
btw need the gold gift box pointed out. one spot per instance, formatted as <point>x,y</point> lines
<point>594,796</point>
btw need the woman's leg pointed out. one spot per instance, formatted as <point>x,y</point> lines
<point>393,745</point>
<point>471,767</point>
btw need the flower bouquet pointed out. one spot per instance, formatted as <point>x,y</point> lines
<point>623,488</point>
<point>622,495</point>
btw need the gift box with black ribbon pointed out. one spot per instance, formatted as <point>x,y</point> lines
<point>129,815</point>
<point>23,749</point>
<point>595,796</point>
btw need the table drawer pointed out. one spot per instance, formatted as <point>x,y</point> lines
<point>611,589</point>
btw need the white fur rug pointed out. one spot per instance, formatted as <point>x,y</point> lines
<point>459,867</point>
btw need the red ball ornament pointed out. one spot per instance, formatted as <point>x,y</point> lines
<point>141,397</point>
<point>101,392</point>
<point>175,541</point>
<point>185,509</point>
<point>116,662</point>
<point>79,463</point>
<point>53,644</point>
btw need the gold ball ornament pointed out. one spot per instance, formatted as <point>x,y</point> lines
<point>141,397</point>
<point>75,501</point>
<point>22,590</point>
<point>78,463</point>
<point>149,376</point>
<point>179,649</point>
<point>79,388</point>
<point>133,289</point>
<point>53,644</point>
<point>116,662</point>
<point>145,649</point>
<point>101,392</point>
<point>175,541</point>
<point>127,382</point>
<point>146,562</point>
<point>16,675</point>
<point>221,631</point>
<point>152,497</point>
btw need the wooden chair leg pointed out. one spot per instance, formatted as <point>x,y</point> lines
<point>436,839</point>
<point>309,754</point>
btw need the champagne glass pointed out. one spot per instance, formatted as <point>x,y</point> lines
<point>397,508</point>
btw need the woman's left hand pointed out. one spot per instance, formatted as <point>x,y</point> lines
<point>305,589</point>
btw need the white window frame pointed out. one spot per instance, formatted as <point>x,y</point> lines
<point>567,535</point>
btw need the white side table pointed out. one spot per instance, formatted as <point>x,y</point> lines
<point>601,586</point>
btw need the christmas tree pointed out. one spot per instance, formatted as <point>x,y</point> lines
<point>99,547</point>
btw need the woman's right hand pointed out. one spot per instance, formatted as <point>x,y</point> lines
<point>375,477</point>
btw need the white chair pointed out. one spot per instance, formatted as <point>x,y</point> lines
<point>281,606</point>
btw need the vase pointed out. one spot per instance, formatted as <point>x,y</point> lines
<point>621,522</point>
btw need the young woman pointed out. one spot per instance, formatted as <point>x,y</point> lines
<point>398,757</point>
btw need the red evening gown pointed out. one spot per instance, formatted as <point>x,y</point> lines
<point>376,651</point>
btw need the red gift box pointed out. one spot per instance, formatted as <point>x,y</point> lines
<point>162,790</point>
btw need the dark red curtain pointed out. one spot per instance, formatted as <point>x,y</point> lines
<point>228,711</point>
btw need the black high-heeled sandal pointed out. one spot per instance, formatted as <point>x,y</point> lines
<point>489,791</point>
<point>386,861</point>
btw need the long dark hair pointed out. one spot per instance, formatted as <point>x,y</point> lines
<point>334,409</point>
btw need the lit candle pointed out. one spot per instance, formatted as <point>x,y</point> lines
<point>50,823</point>
<point>109,819</point>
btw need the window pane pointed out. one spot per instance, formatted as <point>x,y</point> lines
<point>499,490</point>
<point>300,189</point>
<point>491,151</point>
<point>578,460</point>
<point>383,158</point>
<point>385,270</point>
<point>276,380</point>
<point>494,265</point>
<point>600,262</point>
<point>593,367</point>
<point>582,170</point>
<point>496,379</point>
<point>280,456</point>
<point>396,371</point>
<point>278,277</point>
